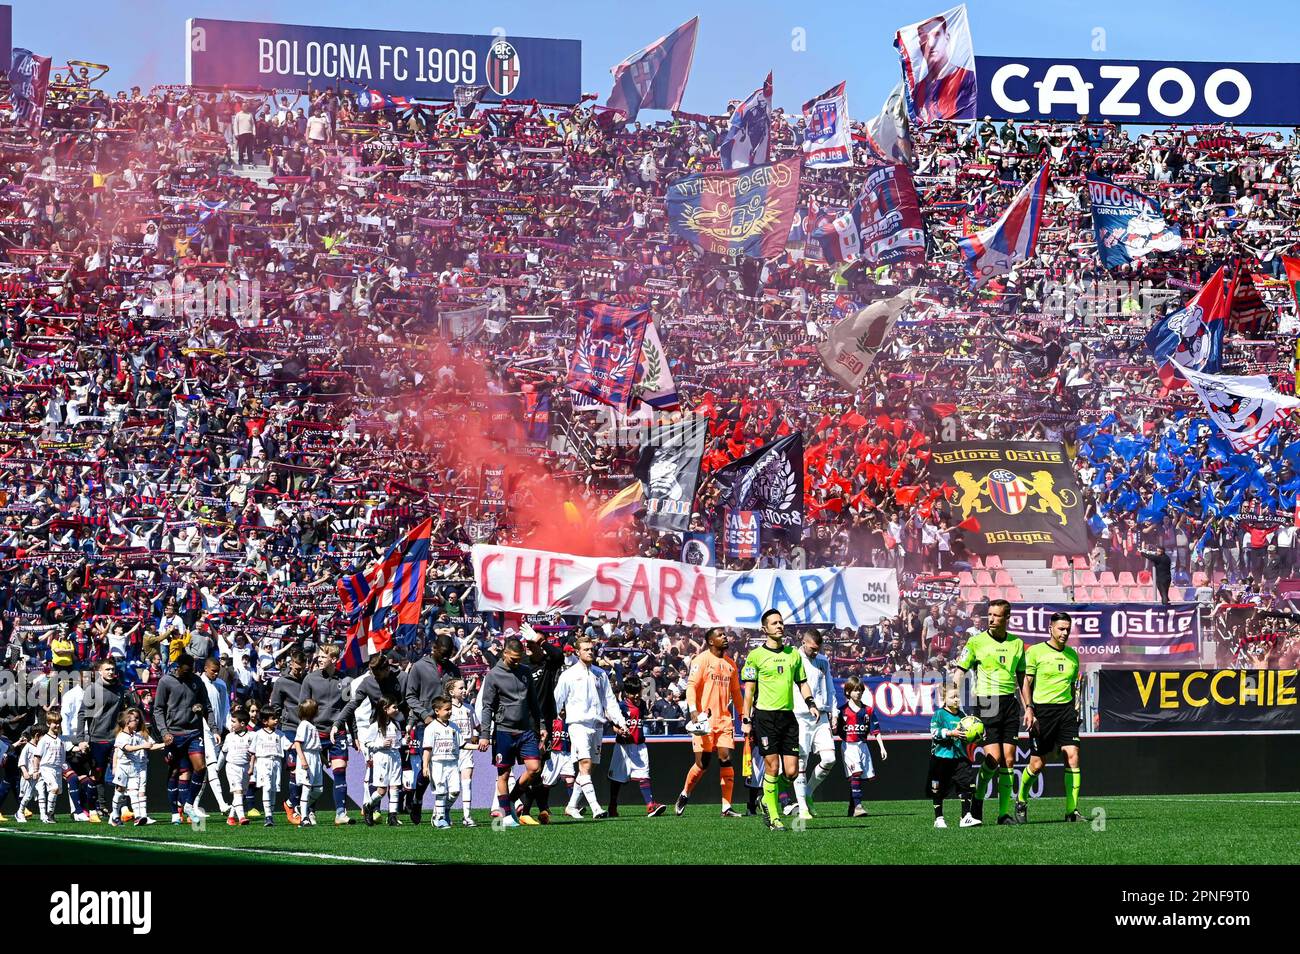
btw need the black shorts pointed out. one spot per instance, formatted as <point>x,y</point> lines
<point>776,731</point>
<point>1058,725</point>
<point>1001,717</point>
<point>948,777</point>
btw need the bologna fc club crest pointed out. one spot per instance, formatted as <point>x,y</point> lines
<point>1008,492</point>
<point>503,68</point>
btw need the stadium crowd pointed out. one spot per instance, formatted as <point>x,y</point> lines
<point>250,338</point>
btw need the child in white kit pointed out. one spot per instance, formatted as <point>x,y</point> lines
<point>51,760</point>
<point>306,744</point>
<point>28,767</point>
<point>463,718</point>
<point>131,748</point>
<point>442,742</point>
<point>382,744</point>
<point>236,756</point>
<point>269,748</point>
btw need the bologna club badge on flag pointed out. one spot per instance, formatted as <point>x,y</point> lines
<point>503,67</point>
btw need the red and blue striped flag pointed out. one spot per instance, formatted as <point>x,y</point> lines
<point>1011,239</point>
<point>655,77</point>
<point>383,603</point>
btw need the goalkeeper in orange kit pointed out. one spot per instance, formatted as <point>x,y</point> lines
<point>712,688</point>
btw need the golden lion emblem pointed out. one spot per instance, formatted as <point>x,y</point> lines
<point>732,223</point>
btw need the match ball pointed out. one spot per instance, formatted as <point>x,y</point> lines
<point>972,728</point>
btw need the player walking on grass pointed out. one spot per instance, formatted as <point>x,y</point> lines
<point>1051,693</point>
<point>511,718</point>
<point>586,698</point>
<point>770,675</point>
<point>999,660</point>
<point>712,688</point>
<point>816,736</point>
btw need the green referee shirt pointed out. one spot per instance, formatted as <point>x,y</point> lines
<point>777,672</point>
<point>1055,673</point>
<point>997,662</point>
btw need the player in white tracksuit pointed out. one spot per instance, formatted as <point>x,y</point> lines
<point>307,769</point>
<point>584,695</point>
<point>131,750</point>
<point>269,748</point>
<point>382,744</point>
<point>441,759</point>
<point>815,735</point>
<point>464,718</point>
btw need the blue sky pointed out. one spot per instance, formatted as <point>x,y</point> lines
<point>143,40</point>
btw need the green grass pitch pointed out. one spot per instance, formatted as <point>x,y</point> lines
<point>1184,829</point>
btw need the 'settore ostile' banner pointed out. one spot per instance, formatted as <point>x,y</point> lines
<point>1118,635</point>
<point>516,580</point>
<point>400,63</point>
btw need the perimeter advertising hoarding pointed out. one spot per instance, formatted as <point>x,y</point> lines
<point>398,63</point>
<point>1156,92</point>
<point>1198,700</point>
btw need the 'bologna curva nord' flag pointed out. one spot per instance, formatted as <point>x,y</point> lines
<point>607,353</point>
<point>749,211</point>
<point>655,77</point>
<point>1192,336</point>
<point>1011,239</point>
<point>383,603</point>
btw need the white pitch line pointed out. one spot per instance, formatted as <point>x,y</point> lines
<point>157,843</point>
<point>1204,798</point>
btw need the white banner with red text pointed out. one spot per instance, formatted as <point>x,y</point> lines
<point>516,580</point>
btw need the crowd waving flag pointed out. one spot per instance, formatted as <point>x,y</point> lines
<point>1012,238</point>
<point>383,603</point>
<point>827,140</point>
<point>655,77</point>
<point>883,226</point>
<point>770,481</point>
<point>607,352</point>
<point>1245,407</point>
<point>1247,312</point>
<point>654,383</point>
<point>1128,224</point>
<point>938,61</point>
<point>748,140</point>
<point>749,211</point>
<point>1192,336</point>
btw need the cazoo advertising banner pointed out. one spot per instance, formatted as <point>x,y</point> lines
<point>1192,700</point>
<point>1138,91</point>
<point>1023,494</point>
<point>424,65</point>
<point>515,580</point>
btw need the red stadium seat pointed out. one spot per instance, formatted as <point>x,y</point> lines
<point>1003,578</point>
<point>1200,578</point>
<point>983,578</point>
<point>977,563</point>
<point>965,578</point>
<point>1085,578</point>
<point>1080,563</point>
<point>1059,562</point>
<point>993,562</point>
<point>1116,594</point>
<point>1126,579</point>
<point>1142,594</point>
<point>1107,578</point>
<point>1013,594</point>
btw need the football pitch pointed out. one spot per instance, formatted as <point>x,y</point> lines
<point>1162,830</point>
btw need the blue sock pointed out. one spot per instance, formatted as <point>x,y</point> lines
<point>340,789</point>
<point>185,791</point>
<point>646,794</point>
<point>90,794</point>
<point>295,794</point>
<point>174,793</point>
<point>4,791</point>
<point>74,793</point>
<point>855,790</point>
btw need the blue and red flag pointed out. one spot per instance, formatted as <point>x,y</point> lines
<point>749,211</point>
<point>655,77</point>
<point>607,353</point>
<point>383,603</point>
<point>1012,238</point>
<point>1192,336</point>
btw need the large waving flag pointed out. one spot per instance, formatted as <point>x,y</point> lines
<point>654,383</point>
<point>1245,407</point>
<point>29,81</point>
<point>1011,239</point>
<point>383,603</point>
<point>938,66</point>
<point>1192,336</point>
<point>828,140</point>
<point>607,353</point>
<point>749,211</point>
<point>748,141</point>
<point>1128,224</point>
<point>888,137</point>
<point>655,77</point>
<point>623,504</point>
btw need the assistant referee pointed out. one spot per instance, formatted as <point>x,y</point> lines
<point>775,669</point>
<point>1052,711</point>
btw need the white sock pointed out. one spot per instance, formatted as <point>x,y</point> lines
<point>801,791</point>
<point>119,799</point>
<point>215,785</point>
<point>820,774</point>
<point>308,799</point>
<point>575,796</point>
<point>138,806</point>
<point>589,792</point>
<point>439,806</point>
<point>268,801</point>
<point>237,801</point>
